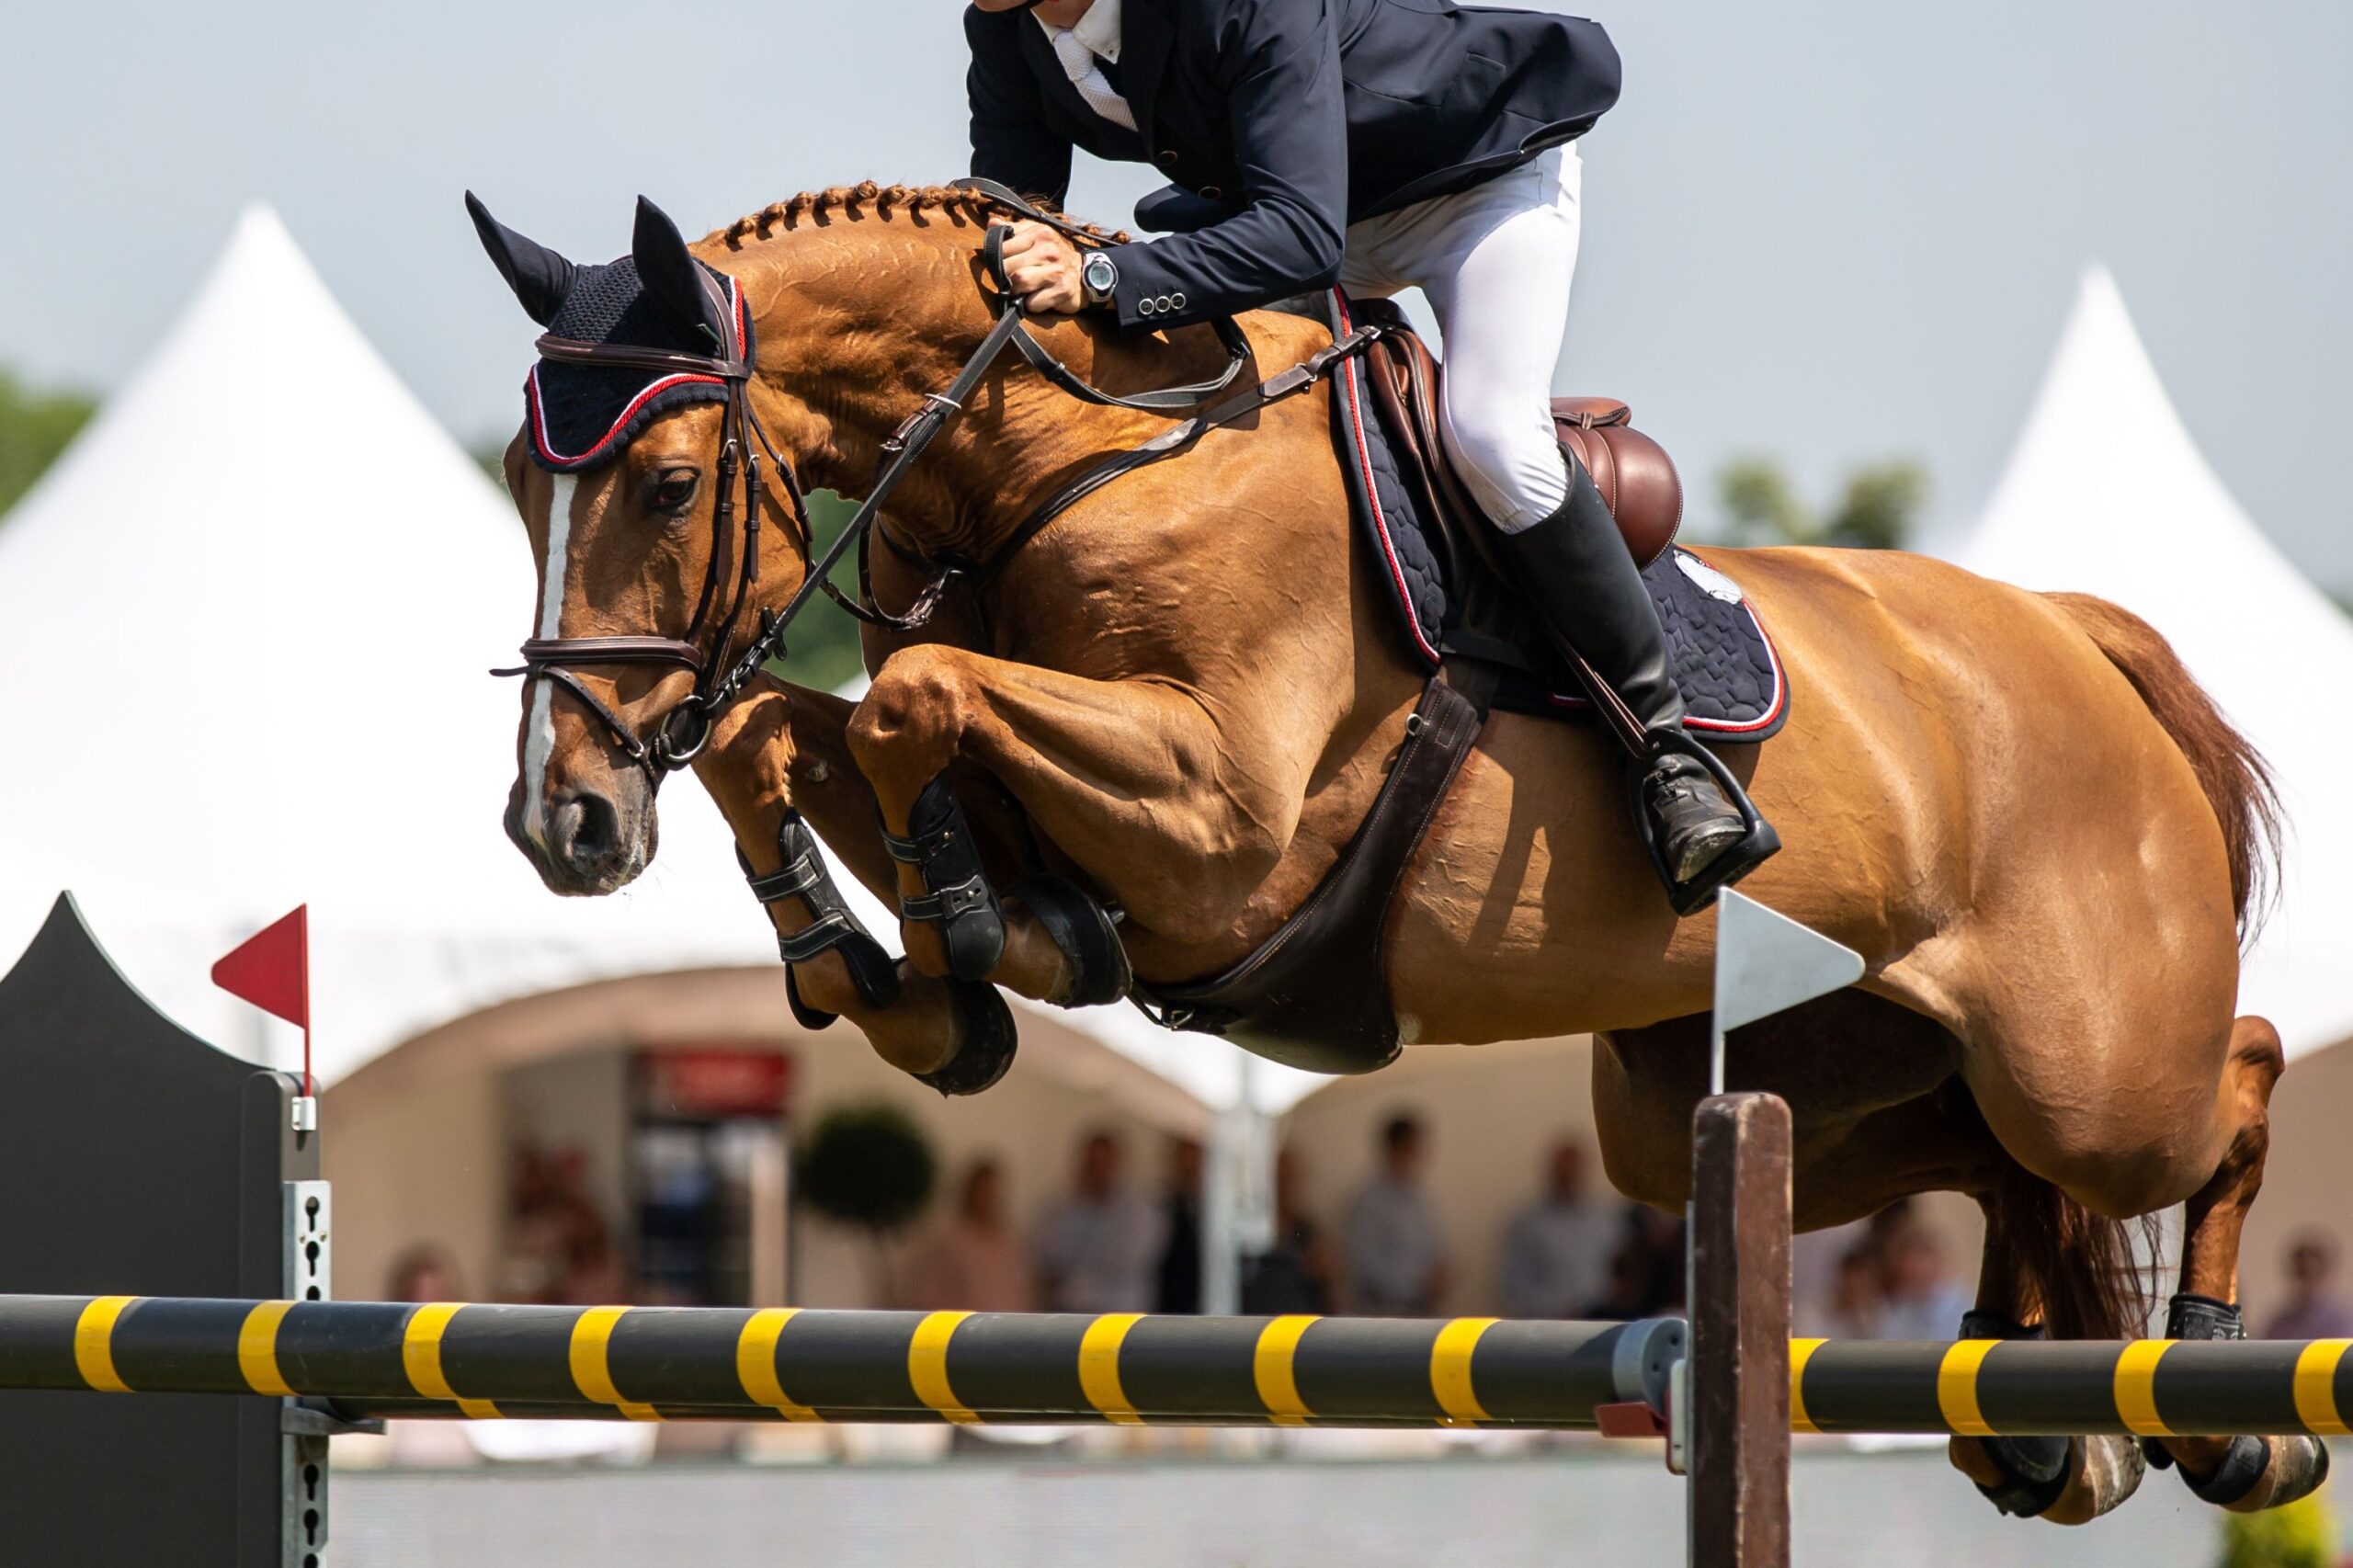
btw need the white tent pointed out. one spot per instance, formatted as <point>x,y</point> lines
<point>2107,494</point>
<point>244,624</point>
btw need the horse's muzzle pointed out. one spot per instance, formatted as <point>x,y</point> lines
<point>590,843</point>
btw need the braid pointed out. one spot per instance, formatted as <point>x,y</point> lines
<point>886,203</point>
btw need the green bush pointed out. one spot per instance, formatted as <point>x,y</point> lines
<point>2298,1535</point>
<point>868,1166</point>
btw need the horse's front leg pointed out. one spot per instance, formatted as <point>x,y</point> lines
<point>1134,782</point>
<point>780,767</point>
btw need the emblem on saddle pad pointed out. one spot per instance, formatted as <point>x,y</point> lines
<point>1711,582</point>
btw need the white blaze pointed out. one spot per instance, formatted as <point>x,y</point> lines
<point>538,741</point>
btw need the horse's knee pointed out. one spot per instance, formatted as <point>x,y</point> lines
<point>917,708</point>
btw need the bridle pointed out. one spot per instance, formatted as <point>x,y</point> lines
<point>685,729</point>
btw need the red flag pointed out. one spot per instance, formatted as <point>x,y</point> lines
<point>272,971</point>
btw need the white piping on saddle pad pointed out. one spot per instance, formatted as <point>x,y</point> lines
<point>538,741</point>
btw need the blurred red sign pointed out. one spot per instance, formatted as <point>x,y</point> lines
<point>715,1081</point>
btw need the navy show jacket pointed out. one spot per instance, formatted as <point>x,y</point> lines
<point>1280,122</point>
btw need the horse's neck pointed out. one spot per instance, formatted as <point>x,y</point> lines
<point>850,347</point>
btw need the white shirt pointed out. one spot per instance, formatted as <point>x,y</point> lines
<point>1394,1248</point>
<point>1557,1257</point>
<point>1101,1255</point>
<point>1082,49</point>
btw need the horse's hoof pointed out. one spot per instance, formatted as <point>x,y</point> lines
<point>1082,933</point>
<point>2095,1476</point>
<point>2263,1472</point>
<point>987,1040</point>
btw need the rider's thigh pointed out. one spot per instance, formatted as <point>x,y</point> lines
<point>1501,292</point>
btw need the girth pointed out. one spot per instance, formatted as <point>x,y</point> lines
<point>1315,995</point>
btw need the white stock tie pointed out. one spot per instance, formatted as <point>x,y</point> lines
<point>1086,72</point>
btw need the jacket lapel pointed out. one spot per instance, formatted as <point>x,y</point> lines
<point>1146,35</point>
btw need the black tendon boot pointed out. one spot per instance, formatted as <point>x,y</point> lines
<point>1576,573</point>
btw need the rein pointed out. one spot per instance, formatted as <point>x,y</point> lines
<point>686,729</point>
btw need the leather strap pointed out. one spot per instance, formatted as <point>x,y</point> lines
<point>631,356</point>
<point>613,651</point>
<point>1315,995</point>
<point>1172,441</point>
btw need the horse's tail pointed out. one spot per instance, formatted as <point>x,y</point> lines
<point>2238,781</point>
<point>2083,1269</point>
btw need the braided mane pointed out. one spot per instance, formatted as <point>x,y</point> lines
<point>886,202</point>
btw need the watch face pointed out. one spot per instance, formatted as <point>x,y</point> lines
<point>1100,274</point>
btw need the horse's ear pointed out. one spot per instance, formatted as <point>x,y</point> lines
<point>668,273</point>
<point>540,278</point>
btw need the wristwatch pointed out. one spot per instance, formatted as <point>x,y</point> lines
<point>1098,277</point>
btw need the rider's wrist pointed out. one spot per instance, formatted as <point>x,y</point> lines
<point>1099,280</point>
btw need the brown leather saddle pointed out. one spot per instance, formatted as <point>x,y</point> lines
<point>1633,472</point>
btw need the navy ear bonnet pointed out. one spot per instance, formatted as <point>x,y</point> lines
<point>582,415</point>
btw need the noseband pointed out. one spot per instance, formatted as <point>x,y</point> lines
<point>686,729</point>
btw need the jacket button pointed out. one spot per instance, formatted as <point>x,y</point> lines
<point>1166,303</point>
<point>1144,307</point>
<point>1168,159</point>
<point>1178,299</point>
<point>1211,193</point>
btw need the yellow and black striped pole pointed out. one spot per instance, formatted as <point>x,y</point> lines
<point>664,1363</point>
<point>2153,1388</point>
<point>449,1359</point>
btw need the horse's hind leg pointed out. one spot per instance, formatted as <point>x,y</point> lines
<point>2044,1257</point>
<point>2240,1474</point>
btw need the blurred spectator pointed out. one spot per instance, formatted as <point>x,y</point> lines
<point>1858,1297</point>
<point>1646,1271</point>
<point>1295,1275</point>
<point>1922,1299</point>
<point>973,1262</point>
<point>2314,1309</point>
<point>1557,1250</point>
<point>560,1251</point>
<point>425,1272</point>
<point>1178,1285</point>
<point>1098,1249</point>
<point>1396,1262</point>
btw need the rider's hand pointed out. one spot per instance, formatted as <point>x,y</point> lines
<point>1044,270</point>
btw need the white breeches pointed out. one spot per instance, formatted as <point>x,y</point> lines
<point>1495,262</point>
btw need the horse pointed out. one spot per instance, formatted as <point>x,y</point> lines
<point>1183,694</point>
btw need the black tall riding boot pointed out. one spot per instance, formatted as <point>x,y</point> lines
<point>1576,573</point>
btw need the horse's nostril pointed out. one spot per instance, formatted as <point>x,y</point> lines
<point>584,830</point>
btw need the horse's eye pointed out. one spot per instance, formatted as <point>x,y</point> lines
<point>675,489</point>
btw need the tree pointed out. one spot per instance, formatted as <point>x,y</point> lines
<point>35,427</point>
<point>1879,509</point>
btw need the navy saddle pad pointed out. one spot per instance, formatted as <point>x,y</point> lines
<point>1735,685</point>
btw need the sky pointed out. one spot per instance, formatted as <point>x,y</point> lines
<point>1829,230</point>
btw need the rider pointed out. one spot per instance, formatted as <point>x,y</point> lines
<point>1381,144</point>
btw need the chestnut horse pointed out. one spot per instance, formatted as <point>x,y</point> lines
<point>1184,693</point>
